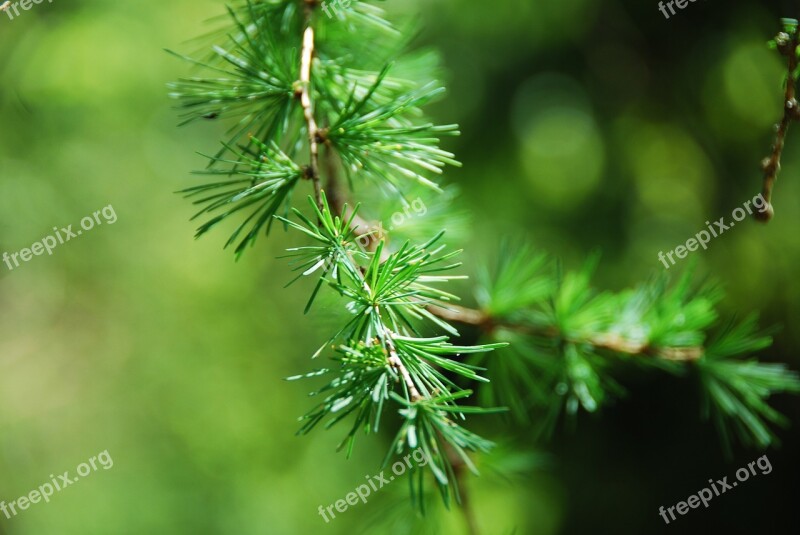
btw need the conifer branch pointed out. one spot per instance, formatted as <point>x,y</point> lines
<point>394,346</point>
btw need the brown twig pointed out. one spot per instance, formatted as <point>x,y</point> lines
<point>459,314</point>
<point>611,342</point>
<point>787,46</point>
<point>397,364</point>
<point>314,134</point>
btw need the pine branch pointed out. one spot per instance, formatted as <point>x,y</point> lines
<point>353,91</point>
<point>566,338</point>
<point>388,296</point>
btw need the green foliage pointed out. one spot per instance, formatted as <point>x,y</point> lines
<point>362,98</point>
<point>262,184</point>
<point>360,386</point>
<point>387,300</point>
<point>567,341</point>
<point>517,282</point>
<point>383,142</point>
<point>737,391</point>
<point>429,426</point>
<point>255,70</point>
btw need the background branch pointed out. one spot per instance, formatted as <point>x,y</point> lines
<point>615,343</point>
<point>787,46</point>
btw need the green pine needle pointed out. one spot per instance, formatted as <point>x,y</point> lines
<point>258,186</point>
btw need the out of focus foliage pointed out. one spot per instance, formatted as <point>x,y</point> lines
<point>586,126</point>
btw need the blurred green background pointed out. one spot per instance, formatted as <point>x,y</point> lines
<point>586,126</point>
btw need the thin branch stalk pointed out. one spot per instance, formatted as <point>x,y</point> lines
<point>772,164</point>
<point>394,359</point>
<point>308,112</point>
<point>396,363</point>
<point>615,343</point>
